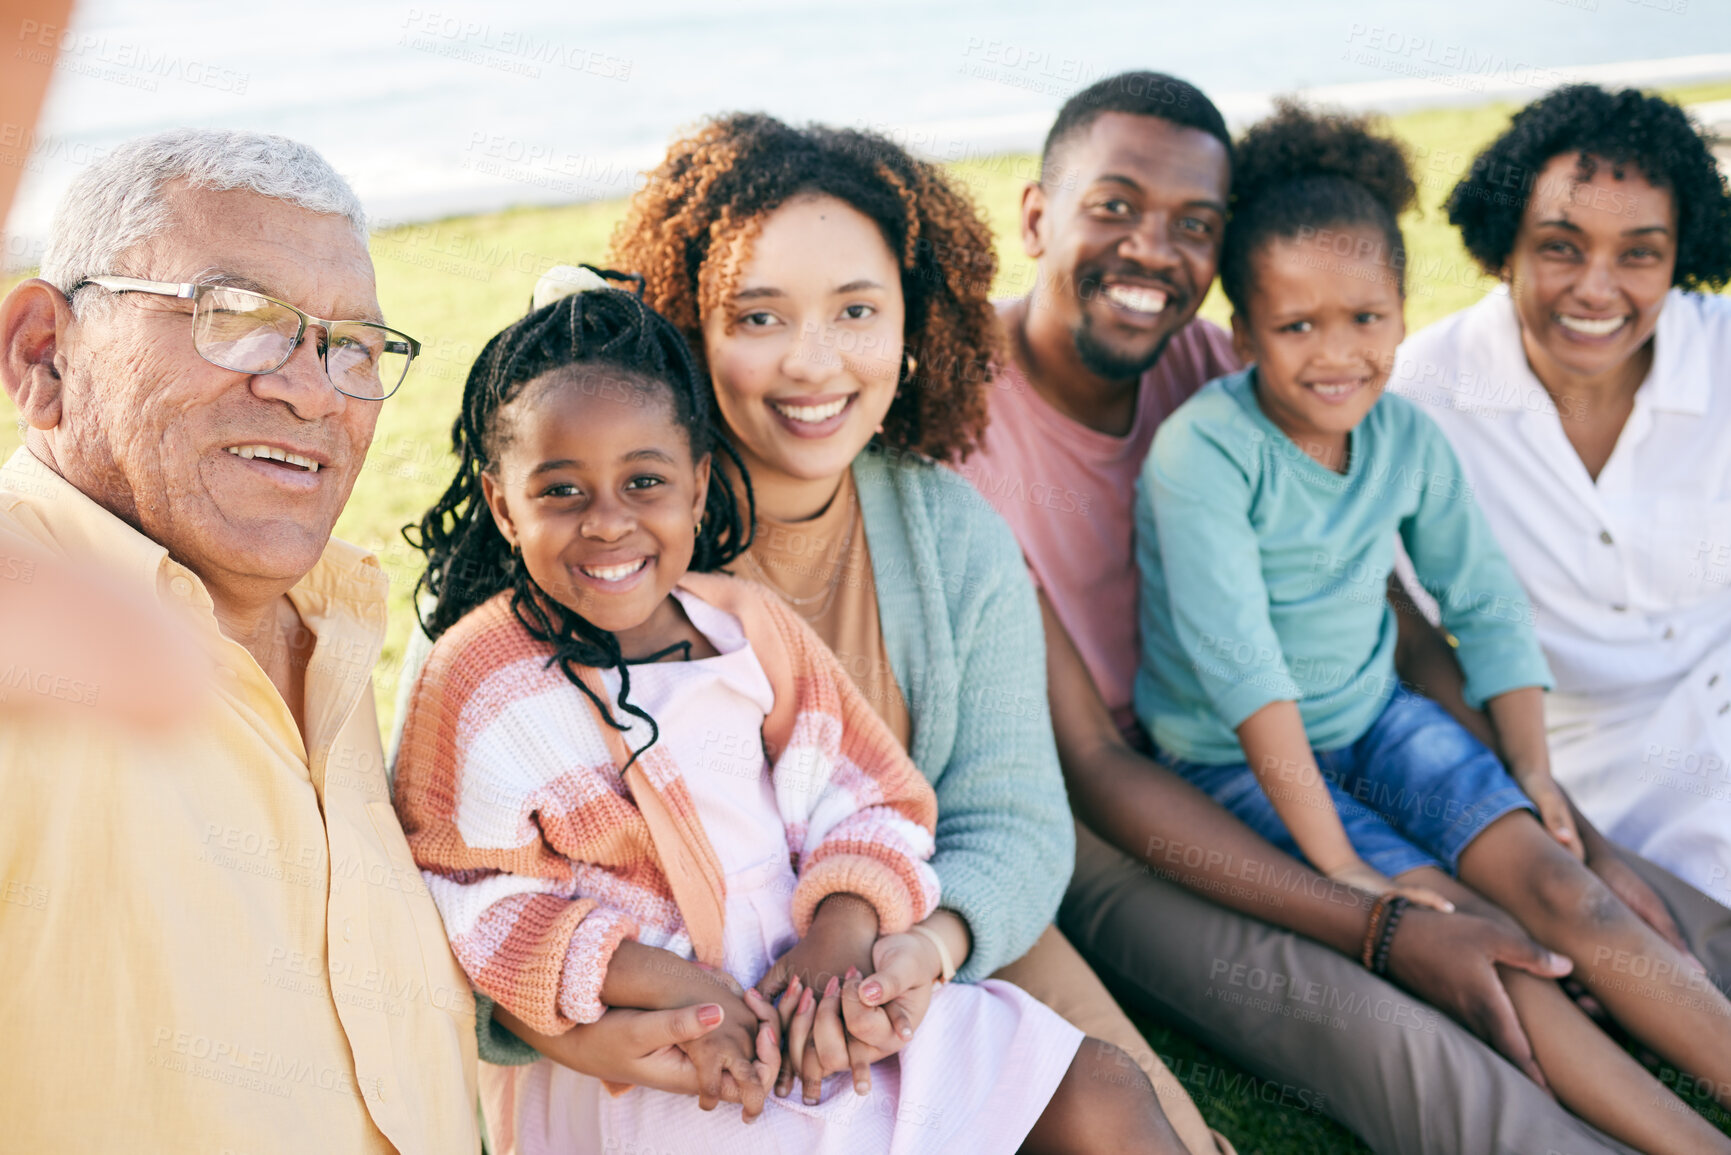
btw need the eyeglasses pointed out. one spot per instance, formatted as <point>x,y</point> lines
<point>248,332</point>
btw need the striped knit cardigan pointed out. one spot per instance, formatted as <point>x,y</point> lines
<point>542,858</point>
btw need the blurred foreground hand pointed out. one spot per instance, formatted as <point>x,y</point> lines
<point>77,643</point>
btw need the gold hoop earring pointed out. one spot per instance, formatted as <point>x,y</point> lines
<point>909,367</point>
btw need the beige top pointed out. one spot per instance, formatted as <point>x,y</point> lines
<point>217,940</point>
<point>822,567</point>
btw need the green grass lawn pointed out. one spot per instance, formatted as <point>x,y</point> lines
<point>454,283</point>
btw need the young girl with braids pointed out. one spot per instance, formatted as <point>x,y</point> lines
<point>634,782</point>
<point>1266,524</point>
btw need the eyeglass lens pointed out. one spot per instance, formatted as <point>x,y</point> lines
<point>242,331</point>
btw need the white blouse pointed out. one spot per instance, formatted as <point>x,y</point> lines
<point>1630,577</point>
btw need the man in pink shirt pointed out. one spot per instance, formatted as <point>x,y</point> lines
<point>1180,907</point>
<point>1066,486</point>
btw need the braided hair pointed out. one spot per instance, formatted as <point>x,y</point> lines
<point>469,561</point>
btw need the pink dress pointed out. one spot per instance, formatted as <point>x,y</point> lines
<point>976,1075</point>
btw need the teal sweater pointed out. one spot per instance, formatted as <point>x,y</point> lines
<point>1264,574</point>
<point>963,632</point>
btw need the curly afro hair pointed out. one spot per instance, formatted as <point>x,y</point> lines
<point>1301,170</point>
<point>1622,129</point>
<point>715,188</point>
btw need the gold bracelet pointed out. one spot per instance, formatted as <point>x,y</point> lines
<point>944,960</point>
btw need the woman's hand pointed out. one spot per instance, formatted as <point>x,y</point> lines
<point>1364,876</point>
<point>740,1055</point>
<point>892,1000</point>
<point>808,980</point>
<point>645,1048</point>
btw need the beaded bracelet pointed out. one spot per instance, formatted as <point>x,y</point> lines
<point>1385,938</point>
<point>1367,951</point>
<point>1380,933</point>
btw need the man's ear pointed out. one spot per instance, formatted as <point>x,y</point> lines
<point>1033,219</point>
<point>34,320</point>
<point>1242,343</point>
<point>494,492</point>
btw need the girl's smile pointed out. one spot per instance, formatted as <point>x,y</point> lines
<point>598,490</point>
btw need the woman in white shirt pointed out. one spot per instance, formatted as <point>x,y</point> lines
<point>1589,400</point>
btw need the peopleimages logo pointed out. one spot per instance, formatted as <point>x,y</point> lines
<point>505,49</point>
<point>120,61</point>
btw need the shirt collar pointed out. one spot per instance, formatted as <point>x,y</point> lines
<point>1678,381</point>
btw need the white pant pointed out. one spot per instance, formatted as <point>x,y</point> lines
<point>1654,772</point>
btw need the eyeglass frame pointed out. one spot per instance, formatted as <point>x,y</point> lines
<point>192,291</point>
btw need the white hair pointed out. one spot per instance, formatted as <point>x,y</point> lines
<point>118,202</point>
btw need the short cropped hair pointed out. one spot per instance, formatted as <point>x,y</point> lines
<point>1140,94</point>
<point>117,204</point>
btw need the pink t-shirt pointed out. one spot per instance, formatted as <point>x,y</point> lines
<point>1068,492</point>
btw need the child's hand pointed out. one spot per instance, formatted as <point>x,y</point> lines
<point>739,1059</point>
<point>1554,812</point>
<point>841,936</point>
<point>1361,874</point>
<point>808,979</point>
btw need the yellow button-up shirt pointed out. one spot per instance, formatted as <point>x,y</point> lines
<point>217,941</point>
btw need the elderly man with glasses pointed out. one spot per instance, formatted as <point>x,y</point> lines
<point>215,938</point>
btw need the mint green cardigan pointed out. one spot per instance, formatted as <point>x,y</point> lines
<point>966,644</point>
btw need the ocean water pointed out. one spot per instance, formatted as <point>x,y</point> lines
<point>434,108</point>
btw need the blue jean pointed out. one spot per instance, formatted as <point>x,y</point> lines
<point>1413,790</point>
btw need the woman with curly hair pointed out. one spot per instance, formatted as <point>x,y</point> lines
<point>1584,398</point>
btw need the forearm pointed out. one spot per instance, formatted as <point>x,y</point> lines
<point>566,1049</point>
<point>1518,719</point>
<point>1180,833</point>
<point>1184,836</point>
<point>648,978</point>
<point>1279,755</point>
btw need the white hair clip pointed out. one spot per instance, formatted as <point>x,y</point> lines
<point>562,281</point>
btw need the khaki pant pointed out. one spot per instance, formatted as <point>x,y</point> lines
<point>1055,974</point>
<point>1325,1033</point>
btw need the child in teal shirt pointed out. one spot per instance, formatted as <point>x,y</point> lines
<point>1266,519</point>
